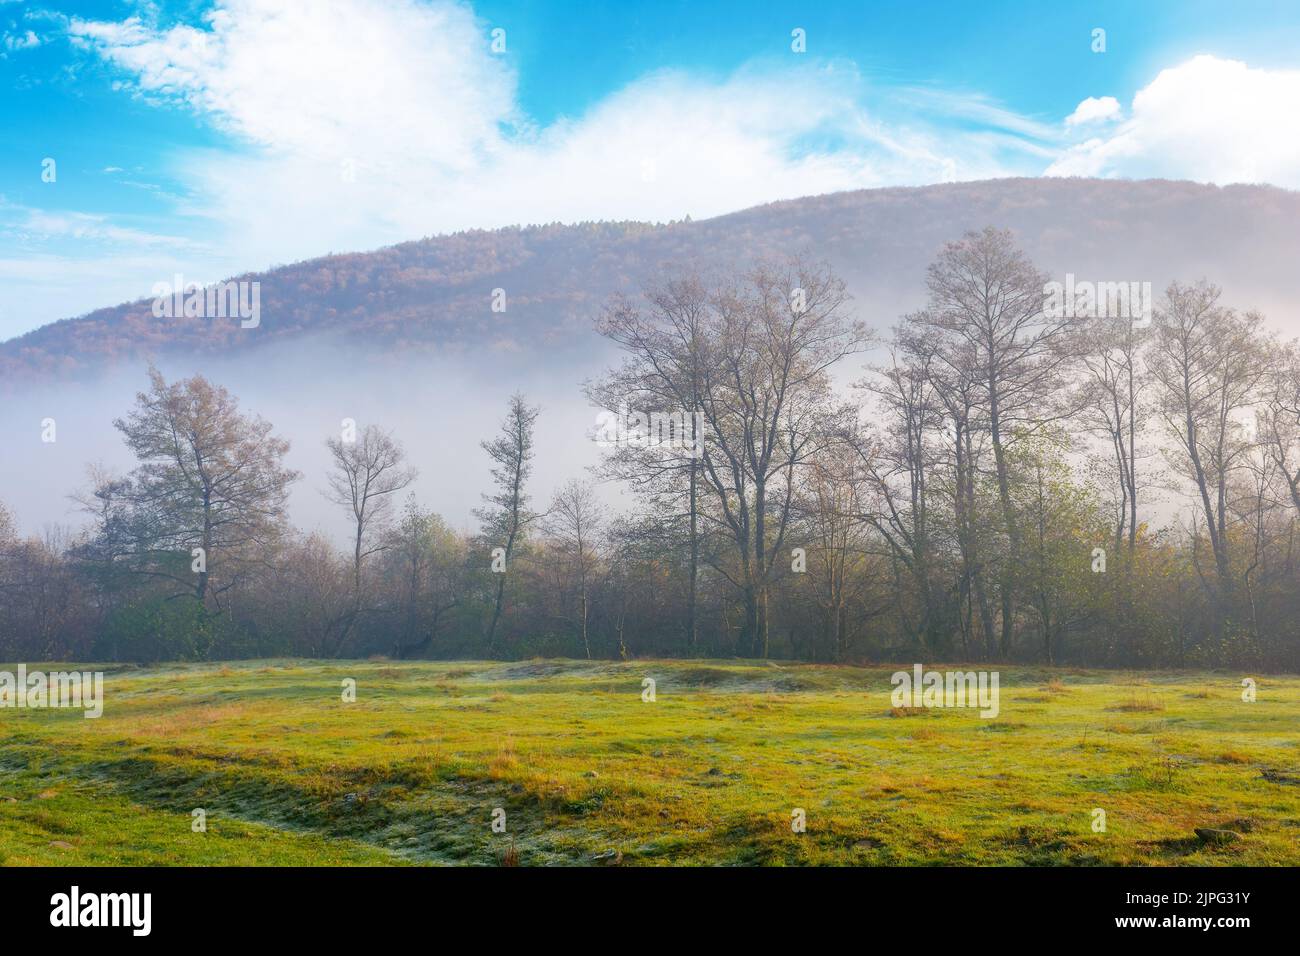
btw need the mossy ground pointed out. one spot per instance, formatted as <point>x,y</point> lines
<point>587,772</point>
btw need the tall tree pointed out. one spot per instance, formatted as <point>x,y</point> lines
<point>988,296</point>
<point>209,478</point>
<point>833,508</point>
<point>368,471</point>
<point>573,524</point>
<point>1208,364</point>
<point>507,517</point>
<point>768,409</point>
<point>1279,419</point>
<point>900,461</point>
<point>1112,358</point>
<point>665,340</point>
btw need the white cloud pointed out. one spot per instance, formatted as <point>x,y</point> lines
<point>358,123</point>
<point>328,79</point>
<point>1094,110</point>
<point>370,122</point>
<point>1207,119</point>
<point>21,41</point>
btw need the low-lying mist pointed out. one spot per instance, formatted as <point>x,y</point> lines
<point>439,408</point>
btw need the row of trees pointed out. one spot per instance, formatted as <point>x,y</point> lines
<point>1005,483</point>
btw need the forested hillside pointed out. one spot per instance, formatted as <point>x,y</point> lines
<point>436,294</point>
<point>1010,479</point>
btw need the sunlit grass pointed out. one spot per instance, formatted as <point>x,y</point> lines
<point>588,772</point>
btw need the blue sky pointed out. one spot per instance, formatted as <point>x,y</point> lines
<point>210,138</point>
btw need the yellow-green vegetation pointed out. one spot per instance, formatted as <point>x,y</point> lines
<point>588,772</point>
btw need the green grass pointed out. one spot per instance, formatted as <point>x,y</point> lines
<point>587,772</point>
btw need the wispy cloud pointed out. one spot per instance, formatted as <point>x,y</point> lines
<point>366,122</point>
<point>351,124</point>
<point>30,225</point>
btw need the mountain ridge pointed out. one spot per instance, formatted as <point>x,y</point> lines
<point>435,294</point>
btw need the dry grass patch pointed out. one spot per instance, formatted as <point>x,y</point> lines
<point>1141,703</point>
<point>505,759</point>
<point>509,856</point>
<point>906,711</point>
<point>194,718</point>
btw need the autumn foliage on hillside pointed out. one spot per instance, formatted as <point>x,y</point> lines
<point>436,294</point>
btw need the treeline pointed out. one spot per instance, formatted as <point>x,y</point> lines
<point>1007,482</point>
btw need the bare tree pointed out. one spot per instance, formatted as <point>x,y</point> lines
<point>209,478</point>
<point>573,524</point>
<point>954,374</point>
<point>832,499</point>
<point>903,454</point>
<point>507,516</point>
<point>666,364</point>
<point>1114,409</point>
<point>1279,419</point>
<point>368,471</point>
<point>768,409</point>
<point>988,298</point>
<point>1207,365</point>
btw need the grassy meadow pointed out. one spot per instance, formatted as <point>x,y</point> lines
<point>588,773</point>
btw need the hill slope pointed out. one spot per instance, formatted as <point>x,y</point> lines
<point>435,294</point>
